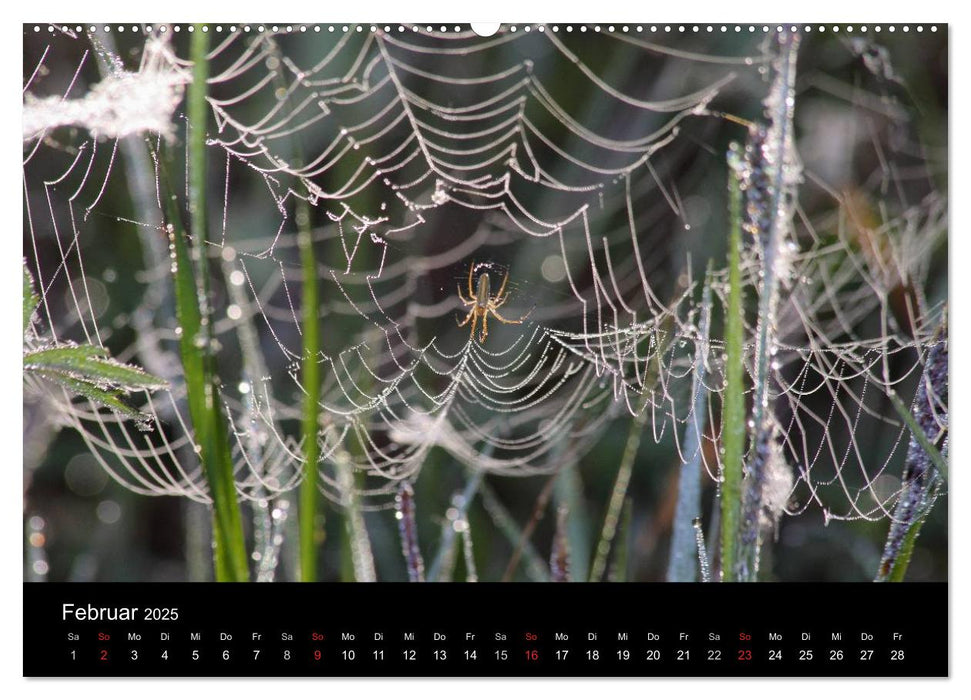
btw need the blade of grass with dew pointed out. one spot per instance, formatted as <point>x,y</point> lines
<point>92,392</point>
<point>897,565</point>
<point>85,370</point>
<point>404,512</point>
<point>197,538</point>
<point>714,532</point>
<point>701,551</point>
<point>620,569</point>
<point>91,364</point>
<point>683,558</point>
<point>922,478</point>
<point>733,401</point>
<point>309,511</point>
<point>446,547</point>
<point>919,435</point>
<point>358,540</point>
<point>777,161</point>
<point>208,421</point>
<point>560,552</point>
<point>30,299</point>
<point>619,491</point>
<point>468,556</point>
<point>568,493</point>
<point>357,560</point>
<point>195,344</point>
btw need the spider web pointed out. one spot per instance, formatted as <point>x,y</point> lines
<point>572,161</point>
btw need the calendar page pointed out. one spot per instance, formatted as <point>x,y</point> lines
<point>345,345</point>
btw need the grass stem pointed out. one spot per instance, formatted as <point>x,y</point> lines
<point>310,379</point>
<point>733,403</point>
<point>192,307</point>
<point>682,564</point>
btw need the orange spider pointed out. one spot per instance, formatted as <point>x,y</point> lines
<point>483,303</point>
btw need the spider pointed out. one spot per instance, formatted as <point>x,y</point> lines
<point>483,303</point>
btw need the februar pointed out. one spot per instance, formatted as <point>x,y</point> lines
<point>90,612</point>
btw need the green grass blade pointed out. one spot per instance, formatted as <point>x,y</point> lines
<point>207,420</point>
<point>620,569</point>
<point>733,401</point>
<point>925,467</point>
<point>919,435</point>
<point>197,108</point>
<point>91,364</point>
<point>560,554</point>
<point>900,563</point>
<point>109,399</point>
<point>309,511</point>
<point>230,559</point>
<point>568,494</point>
<point>619,491</point>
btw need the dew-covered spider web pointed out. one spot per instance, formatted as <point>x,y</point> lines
<point>586,163</point>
